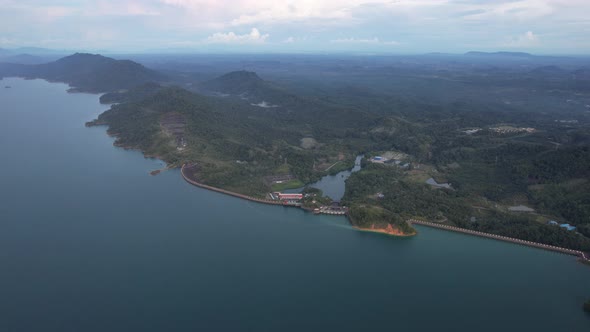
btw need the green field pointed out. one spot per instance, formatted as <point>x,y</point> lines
<point>293,184</point>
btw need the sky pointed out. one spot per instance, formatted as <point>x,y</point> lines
<point>312,26</point>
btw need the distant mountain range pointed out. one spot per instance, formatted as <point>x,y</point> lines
<point>502,54</point>
<point>23,58</point>
<point>32,50</point>
<point>87,72</point>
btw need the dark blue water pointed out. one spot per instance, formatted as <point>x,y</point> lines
<point>90,242</point>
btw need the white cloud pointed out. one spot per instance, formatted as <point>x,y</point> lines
<point>254,37</point>
<point>420,25</point>
<point>293,40</point>
<point>527,39</point>
<point>529,36</point>
<point>268,12</point>
<point>121,8</point>
<point>374,41</point>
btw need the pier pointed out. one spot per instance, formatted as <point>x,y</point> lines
<point>578,253</point>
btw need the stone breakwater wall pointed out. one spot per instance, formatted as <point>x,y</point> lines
<point>578,253</point>
<point>227,192</point>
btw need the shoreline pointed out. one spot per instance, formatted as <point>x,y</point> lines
<point>390,232</point>
<point>581,255</point>
<point>114,135</point>
<point>227,192</point>
<point>384,231</point>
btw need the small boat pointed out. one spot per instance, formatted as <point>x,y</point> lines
<point>7,87</point>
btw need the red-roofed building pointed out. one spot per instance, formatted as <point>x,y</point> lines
<point>289,196</point>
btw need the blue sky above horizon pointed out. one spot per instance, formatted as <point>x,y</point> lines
<point>365,26</point>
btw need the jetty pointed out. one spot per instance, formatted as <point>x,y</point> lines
<point>578,253</point>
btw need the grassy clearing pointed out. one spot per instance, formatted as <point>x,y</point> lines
<point>293,184</point>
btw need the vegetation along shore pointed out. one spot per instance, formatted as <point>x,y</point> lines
<point>508,168</point>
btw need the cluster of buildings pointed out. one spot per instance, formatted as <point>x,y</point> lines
<point>334,209</point>
<point>512,130</point>
<point>383,160</point>
<point>502,130</point>
<point>287,199</point>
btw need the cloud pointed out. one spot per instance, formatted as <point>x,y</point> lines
<point>419,25</point>
<point>321,12</point>
<point>374,41</point>
<point>254,37</point>
<point>529,36</point>
<point>248,12</point>
<point>527,39</point>
<point>121,8</point>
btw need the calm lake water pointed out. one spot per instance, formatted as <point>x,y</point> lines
<point>90,242</point>
<point>333,185</point>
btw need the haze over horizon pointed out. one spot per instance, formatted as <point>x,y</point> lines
<point>402,26</point>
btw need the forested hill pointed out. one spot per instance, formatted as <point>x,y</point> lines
<point>87,72</point>
<point>237,82</point>
<point>236,144</point>
<point>249,85</point>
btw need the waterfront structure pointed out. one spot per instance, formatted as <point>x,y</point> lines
<point>283,196</point>
<point>288,199</point>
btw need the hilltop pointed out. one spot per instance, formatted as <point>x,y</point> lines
<point>237,83</point>
<point>87,72</point>
<point>248,85</point>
